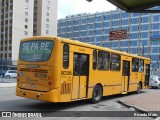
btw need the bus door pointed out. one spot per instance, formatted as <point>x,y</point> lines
<point>125,76</point>
<point>80,75</point>
<point>147,74</point>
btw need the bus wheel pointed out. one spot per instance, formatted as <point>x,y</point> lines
<point>97,94</point>
<point>139,88</point>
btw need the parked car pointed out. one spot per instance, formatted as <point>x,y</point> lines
<point>11,73</point>
<point>2,73</point>
<point>154,81</point>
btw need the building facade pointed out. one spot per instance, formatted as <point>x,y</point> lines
<point>24,18</point>
<point>95,29</point>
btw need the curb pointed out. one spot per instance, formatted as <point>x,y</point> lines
<point>135,108</point>
<point>5,85</point>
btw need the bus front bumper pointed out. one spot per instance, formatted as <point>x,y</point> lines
<point>51,96</point>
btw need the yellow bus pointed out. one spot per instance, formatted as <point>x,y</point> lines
<point>57,69</point>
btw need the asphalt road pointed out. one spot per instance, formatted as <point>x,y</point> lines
<point>10,102</point>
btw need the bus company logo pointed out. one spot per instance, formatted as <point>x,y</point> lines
<point>66,73</point>
<point>6,114</point>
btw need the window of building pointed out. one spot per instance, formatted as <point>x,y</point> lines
<point>48,2</point>
<point>69,35</point>
<point>91,19</point>
<point>76,22</point>
<point>91,33</point>
<point>145,19</point>
<point>156,26</point>
<point>125,22</point>
<point>115,62</point>
<point>114,44</point>
<point>155,58</point>
<point>135,20</point>
<point>141,65</point>
<point>47,7</point>
<point>99,18</point>
<point>47,25</point>
<point>135,65</point>
<point>65,56</point>
<point>26,19</point>
<point>134,35</point>
<point>75,34</point>
<point>94,59</point>
<point>90,39</point>
<point>47,19</point>
<point>106,24</point>
<point>26,26</point>
<point>47,31</point>
<point>91,26</point>
<point>98,38</point>
<point>98,25</point>
<point>63,29</point>
<point>116,16</point>
<point>27,1</point>
<point>156,18</point>
<point>25,32</point>
<point>145,42</point>
<point>107,17</point>
<point>124,43</point>
<point>69,29</point>
<point>98,32</point>
<point>26,13</point>
<point>83,27</point>
<point>134,28</point>
<point>75,28</point>
<point>83,39</point>
<point>26,7</point>
<point>83,33</point>
<point>115,23</point>
<point>125,15</point>
<point>84,20</point>
<point>47,13</point>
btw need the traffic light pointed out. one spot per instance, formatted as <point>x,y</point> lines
<point>89,0</point>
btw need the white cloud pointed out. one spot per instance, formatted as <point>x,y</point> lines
<point>70,7</point>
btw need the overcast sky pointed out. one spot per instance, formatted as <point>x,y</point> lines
<point>70,7</point>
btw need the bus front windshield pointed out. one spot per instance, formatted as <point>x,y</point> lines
<point>36,50</point>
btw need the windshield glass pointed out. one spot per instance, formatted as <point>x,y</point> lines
<point>36,50</point>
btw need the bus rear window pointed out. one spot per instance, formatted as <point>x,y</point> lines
<point>36,50</point>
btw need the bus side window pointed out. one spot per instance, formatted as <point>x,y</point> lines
<point>94,59</point>
<point>141,65</point>
<point>65,56</point>
<point>135,65</point>
<point>100,61</point>
<point>115,62</point>
<point>106,60</point>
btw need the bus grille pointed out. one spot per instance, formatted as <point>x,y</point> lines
<point>66,88</point>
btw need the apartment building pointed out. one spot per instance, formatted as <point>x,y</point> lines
<point>24,18</point>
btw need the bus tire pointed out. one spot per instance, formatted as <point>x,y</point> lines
<point>96,94</point>
<point>139,88</point>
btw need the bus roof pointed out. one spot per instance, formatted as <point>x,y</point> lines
<point>75,42</point>
<point>78,43</point>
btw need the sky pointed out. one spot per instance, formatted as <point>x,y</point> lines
<point>71,7</point>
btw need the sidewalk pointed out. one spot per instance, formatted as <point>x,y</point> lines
<point>12,82</point>
<point>148,102</point>
<point>3,85</point>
